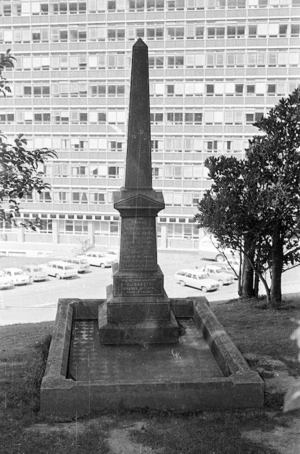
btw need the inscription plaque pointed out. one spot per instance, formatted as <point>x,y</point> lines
<point>138,248</point>
<point>138,286</point>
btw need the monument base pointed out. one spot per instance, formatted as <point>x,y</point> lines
<point>143,333</point>
<point>136,309</point>
<point>203,371</point>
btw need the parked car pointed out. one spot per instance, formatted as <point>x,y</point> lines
<point>80,264</point>
<point>60,270</point>
<point>197,279</point>
<point>17,275</point>
<point>208,249</point>
<point>216,272</point>
<point>114,252</point>
<point>5,281</point>
<point>36,273</point>
<point>231,268</point>
<point>99,259</point>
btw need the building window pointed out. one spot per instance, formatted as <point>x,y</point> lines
<point>116,34</point>
<point>46,225</point>
<point>175,118</point>
<point>175,32</point>
<point>114,172</point>
<point>97,198</point>
<point>45,197</point>
<point>156,118</point>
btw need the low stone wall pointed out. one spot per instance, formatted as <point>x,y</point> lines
<point>239,387</point>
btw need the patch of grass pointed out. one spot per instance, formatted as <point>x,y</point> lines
<point>265,332</point>
<point>23,354</point>
<point>206,433</point>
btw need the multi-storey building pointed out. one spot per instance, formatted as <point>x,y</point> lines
<point>215,67</point>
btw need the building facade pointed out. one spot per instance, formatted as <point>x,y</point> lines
<point>215,67</point>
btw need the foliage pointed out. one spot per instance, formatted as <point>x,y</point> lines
<point>21,170</point>
<point>20,174</point>
<point>6,61</point>
<point>253,204</point>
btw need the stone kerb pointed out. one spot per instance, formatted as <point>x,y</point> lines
<point>229,358</point>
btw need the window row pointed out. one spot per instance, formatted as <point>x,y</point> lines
<point>251,88</point>
<point>71,89</point>
<point>216,117</point>
<point>43,7</point>
<point>104,170</point>
<point>76,227</point>
<point>118,32</point>
<point>219,59</point>
<point>71,62</point>
<point>185,89</point>
<point>168,144</point>
<point>82,169</point>
<point>102,197</point>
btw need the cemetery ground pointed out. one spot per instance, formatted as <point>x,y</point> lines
<point>262,335</point>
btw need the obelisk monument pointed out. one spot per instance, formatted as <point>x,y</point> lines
<point>137,309</point>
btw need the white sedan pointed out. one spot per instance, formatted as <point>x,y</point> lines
<point>17,275</point>
<point>197,279</point>
<point>101,259</point>
<point>216,272</point>
<point>5,281</point>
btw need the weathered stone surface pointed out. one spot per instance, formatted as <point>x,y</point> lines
<point>271,364</point>
<point>138,163</point>
<point>265,373</point>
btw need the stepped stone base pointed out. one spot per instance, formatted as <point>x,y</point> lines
<point>146,331</point>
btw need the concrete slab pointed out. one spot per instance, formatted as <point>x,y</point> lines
<point>203,371</point>
<point>188,360</point>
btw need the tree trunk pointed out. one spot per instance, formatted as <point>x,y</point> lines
<point>256,285</point>
<point>248,274</point>
<point>277,264</point>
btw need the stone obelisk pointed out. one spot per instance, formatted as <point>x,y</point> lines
<point>137,309</point>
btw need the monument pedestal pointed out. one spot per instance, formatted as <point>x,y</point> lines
<point>137,310</point>
<point>132,333</point>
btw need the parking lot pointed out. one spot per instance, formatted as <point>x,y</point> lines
<point>38,301</point>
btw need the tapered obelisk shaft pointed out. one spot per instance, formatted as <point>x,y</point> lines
<point>138,160</point>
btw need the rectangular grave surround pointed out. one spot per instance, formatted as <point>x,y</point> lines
<point>203,371</point>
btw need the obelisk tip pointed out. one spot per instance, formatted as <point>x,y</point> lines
<point>140,43</point>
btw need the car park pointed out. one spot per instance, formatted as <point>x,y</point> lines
<point>208,249</point>
<point>196,279</point>
<point>17,275</point>
<point>216,272</point>
<point>79,263</point>
<point>36,273</point>
<point>60,270</point>
<point>5,281</point>
<point>99,259</point>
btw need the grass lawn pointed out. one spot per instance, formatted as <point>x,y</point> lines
<point>23,352</point>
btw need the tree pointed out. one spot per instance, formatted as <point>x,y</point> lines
<point>223,211</point>
<point>253,204</point>
<point>20,169</point>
